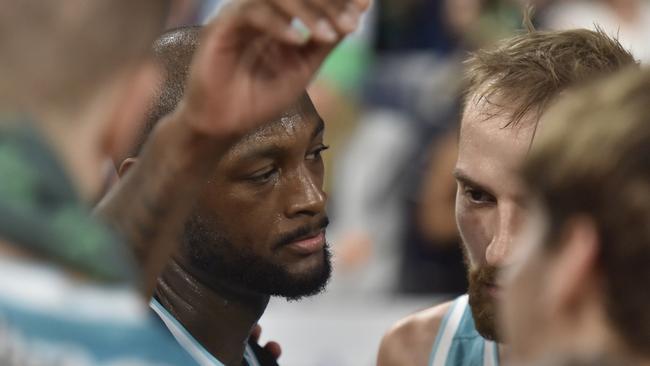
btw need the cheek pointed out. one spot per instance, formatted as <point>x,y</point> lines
<point>244,218</point>
<point>521,309</point>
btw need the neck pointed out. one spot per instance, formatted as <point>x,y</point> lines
<point>74,138</point>
<point>582,335</point>
<point>220,316</point>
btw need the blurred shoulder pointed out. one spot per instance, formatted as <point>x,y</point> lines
<point>410,340</point>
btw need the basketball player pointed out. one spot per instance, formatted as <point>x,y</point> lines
<point>510,86</point>
<point>262,56</point>
<point>581,269</point>
<point>74,77</point>
<point>257,230</point>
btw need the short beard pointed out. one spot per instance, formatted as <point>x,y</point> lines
<point>210,252</point>
<point>597,359</point>
<point>481,303</point>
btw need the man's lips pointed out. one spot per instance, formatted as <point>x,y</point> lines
<point>308,244</point>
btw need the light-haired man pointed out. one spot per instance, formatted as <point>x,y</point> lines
<point>581,269</point>
<point>510,86</point>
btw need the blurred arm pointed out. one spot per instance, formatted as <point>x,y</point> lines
<point>149,205</point>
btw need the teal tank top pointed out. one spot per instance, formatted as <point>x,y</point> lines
<point>458,343</point>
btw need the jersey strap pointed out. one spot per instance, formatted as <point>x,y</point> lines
<point>458,343</point>
<point>448,329</point>
<point>190,344</point>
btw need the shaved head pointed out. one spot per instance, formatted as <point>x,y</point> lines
<point>173,52</point>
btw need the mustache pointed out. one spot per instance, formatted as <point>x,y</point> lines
<point>481,275</point>
<point>288,238</point>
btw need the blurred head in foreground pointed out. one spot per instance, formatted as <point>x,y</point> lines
<point>259,224</point>
<point>582,266</point>
<point>76,70</point>
<point>510,86</point>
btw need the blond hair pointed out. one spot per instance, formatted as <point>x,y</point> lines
<point>531,69</point>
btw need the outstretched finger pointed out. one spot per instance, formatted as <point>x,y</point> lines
<point>316,21</point>
<point>271,20</point>
<point>345,14</point>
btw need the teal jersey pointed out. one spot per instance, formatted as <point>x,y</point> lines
<point>458,343</point>
<point>190,344</point>
<point>49,318</point>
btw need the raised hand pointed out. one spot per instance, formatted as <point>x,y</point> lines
<point>253,63</point>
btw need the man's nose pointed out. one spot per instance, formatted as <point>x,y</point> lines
<point>307,195</point>
<point>498,251</point>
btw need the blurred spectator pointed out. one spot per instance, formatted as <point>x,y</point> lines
<point>627,19</point>
<point>410,25</point>
<point>392,163</point>
<point>432,260</point>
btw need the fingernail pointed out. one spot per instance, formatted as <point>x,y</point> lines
<point>296,36</point>
<point>299,26</point>
<point>325,31</point>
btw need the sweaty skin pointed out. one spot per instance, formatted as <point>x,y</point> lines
<point>489,209</point>
<point>251,66</point>
<point>410,341</point>
<point>268,184</point>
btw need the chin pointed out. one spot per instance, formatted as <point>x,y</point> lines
<point>305,265</point>
<point>483,307</point>
<point>309,277</point>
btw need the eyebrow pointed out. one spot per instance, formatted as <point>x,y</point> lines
<point>273,151</point>
<point>466,180</point>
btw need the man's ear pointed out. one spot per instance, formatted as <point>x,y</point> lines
<point>129,113</point>
<point>573,272</point>
<point>125,166</point>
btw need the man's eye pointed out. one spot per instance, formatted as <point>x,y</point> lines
<point>316,153</point>
<point>263,177</point>
<point>478,196</point>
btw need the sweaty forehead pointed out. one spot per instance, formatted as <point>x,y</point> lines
<point>489,148</point>
<point>299,122</point>
<point>298,117</point>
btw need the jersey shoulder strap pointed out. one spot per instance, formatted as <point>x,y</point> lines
<point>448,327</point>
<point>183,337</point>
<point>458,343</point>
